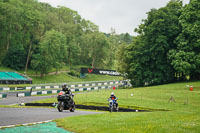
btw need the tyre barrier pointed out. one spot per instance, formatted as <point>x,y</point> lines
<point>24,94</point>
<point>99,108</point>
<point>28,88</point>
<point>3,95</point>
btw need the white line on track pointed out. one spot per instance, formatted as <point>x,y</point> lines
<point>33,123</point>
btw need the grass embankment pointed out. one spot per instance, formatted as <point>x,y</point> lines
<point>183,117</point>
<point>32,72</point>
<point>61,78</point>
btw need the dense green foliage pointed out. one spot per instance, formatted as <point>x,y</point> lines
<point>51,52</point>
<point>74,73</point>
<point>167,47</point>
<point>16,56</point>
<point>186,55</point>
<point>40,37</point>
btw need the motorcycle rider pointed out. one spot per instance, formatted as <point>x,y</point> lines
<point>113,97</point>
<point>67,90</point>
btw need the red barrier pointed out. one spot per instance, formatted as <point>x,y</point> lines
<point>114,88</point>
<point>191,88</point>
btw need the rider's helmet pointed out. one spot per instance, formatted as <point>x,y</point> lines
<point>112,94</point>
<point>64,87</point>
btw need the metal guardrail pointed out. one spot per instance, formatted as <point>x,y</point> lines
<point>70,85</point>
<point>3,95</point>
<point>57,91</point>
<point>87,86</point>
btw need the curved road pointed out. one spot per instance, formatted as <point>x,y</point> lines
<point>12,99</point>
<point>14,116</point>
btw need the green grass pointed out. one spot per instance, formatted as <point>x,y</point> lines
<point>153,122</point>
<point>29,71</point>
<point>67,78</point>
<point>6,69</point>
<point>183,117</point>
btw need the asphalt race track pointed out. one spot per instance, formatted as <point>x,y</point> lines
<point>14,116</point>
<point>12,99</point>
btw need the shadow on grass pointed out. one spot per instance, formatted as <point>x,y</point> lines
<point>100,108</point>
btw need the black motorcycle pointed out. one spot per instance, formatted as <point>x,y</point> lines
<point>65,102</point>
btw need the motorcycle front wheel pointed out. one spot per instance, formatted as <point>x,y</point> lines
<point>111,109</point>
<point>72,109</point>
<point>60,106</point>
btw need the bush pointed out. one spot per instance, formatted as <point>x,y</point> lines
<point>74,73</point>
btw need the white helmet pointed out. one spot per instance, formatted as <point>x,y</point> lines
<point>112,94</point>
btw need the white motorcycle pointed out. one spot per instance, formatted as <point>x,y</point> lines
<point>113,105</point>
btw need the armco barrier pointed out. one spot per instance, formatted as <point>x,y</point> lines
<point>37,93</point>
<point>57,91</point>
<point>3,95</point>
<point>114,83</point>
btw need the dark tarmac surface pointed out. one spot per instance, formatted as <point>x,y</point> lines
<point>13,116</point>
<point>12,99</point>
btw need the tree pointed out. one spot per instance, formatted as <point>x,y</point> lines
<point>114,42</point>
<point>19,25</point>
<point>88,28</point>
<point>9,25</point>
<point>186,56</point>
<point>127,38</point>
<point>15,57</point>
<point>31,25</point>
<point>71,28</point>
<point>51,53</point>
<point>121,58</point>
<point>27,23</point>
<point>97,45</point>
<point>147,56</point>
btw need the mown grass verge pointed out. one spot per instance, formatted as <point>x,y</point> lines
<point>183,117</point>
<point>61,78</point>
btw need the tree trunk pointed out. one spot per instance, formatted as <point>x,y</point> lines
<point>29,53</point>
<point>8,41</point>
<point>56,71</point>
<point>69,58</point>
<point>93,61</point>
